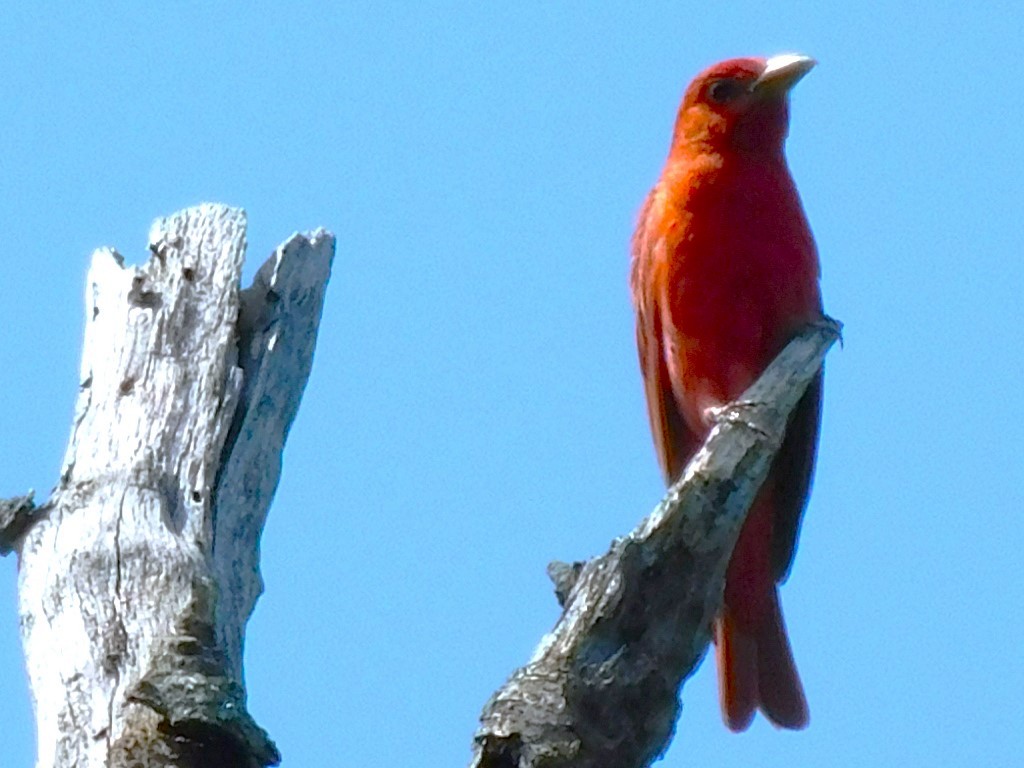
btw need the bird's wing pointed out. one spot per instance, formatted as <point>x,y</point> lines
<point>791,475</point>
<point>674,442</point>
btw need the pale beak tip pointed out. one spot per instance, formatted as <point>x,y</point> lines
<point>786,69</point>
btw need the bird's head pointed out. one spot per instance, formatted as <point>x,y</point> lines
<point>739,104</point>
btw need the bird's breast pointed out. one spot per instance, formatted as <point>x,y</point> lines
<point>739,277</point>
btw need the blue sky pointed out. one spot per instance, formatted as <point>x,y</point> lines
<point>475,408</point>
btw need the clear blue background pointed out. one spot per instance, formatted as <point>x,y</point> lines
<point>475,408</point>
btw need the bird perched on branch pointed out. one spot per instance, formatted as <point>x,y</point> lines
<point>724,273</point>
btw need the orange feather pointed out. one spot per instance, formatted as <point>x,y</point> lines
<point>724,273</point>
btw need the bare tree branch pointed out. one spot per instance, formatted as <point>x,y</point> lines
<point>138,575</point>
<point>602,687</point>
<point>16,515</point>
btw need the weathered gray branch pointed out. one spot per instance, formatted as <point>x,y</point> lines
<point>16,515</point>
<point>602,687</point>
<point>138,575</point>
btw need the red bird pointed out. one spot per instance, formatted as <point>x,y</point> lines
<point>724,273</point>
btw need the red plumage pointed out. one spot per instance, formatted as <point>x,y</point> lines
<point>724,273</point>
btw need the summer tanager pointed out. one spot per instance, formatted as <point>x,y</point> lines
<point>724,274</point>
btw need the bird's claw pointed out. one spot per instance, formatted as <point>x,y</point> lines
<point>743,412</point>
<point>829,323</point>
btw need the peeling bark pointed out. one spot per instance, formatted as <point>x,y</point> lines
<point>602,688</point>
<point>138,575</point>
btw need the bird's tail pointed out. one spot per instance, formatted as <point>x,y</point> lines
<point>756,670</point>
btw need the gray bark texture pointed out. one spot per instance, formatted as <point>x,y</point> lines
<point>602,689</point>
<point>138,575</point>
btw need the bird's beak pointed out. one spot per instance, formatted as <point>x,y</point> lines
<point>782,72</point>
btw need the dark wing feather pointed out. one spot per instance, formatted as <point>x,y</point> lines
<point>791,477</point>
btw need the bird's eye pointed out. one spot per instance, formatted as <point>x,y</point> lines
<point>722,91</point>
